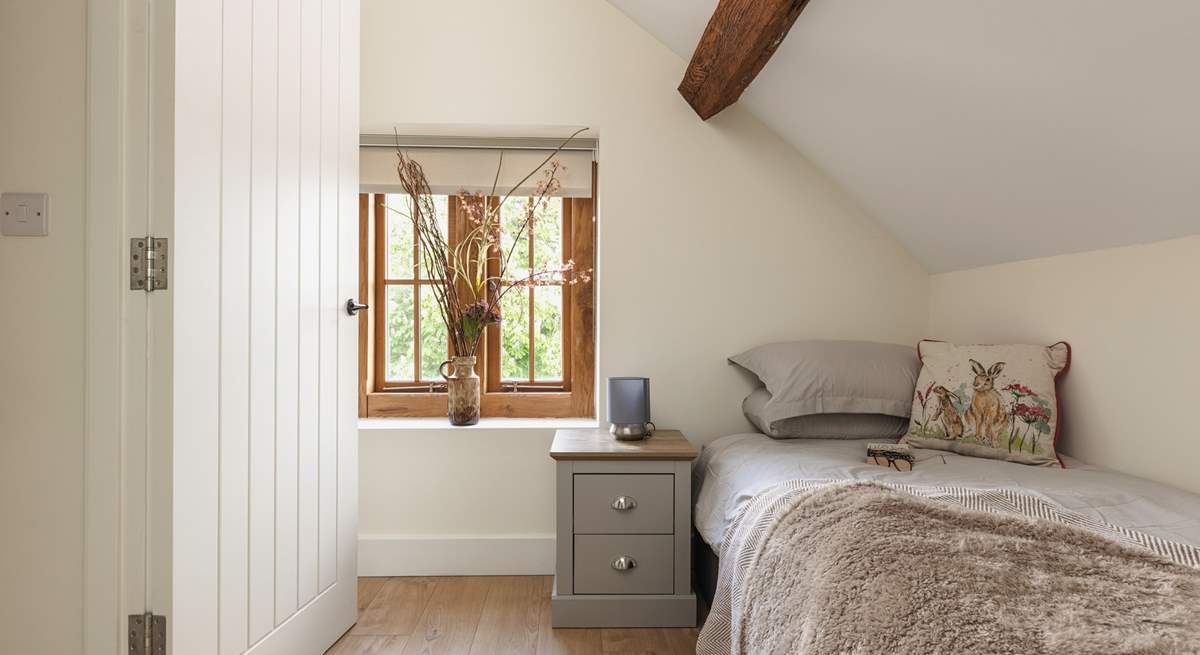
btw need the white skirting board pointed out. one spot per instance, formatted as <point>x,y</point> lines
<point>401,555</point>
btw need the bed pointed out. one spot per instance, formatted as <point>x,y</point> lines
<point>734,469</point>
<point>803,547</point>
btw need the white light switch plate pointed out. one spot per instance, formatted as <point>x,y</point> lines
<point>24,214</point>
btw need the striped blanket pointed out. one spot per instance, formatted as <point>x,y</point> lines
<point>728,629</point>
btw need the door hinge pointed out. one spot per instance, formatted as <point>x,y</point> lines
<point>147,634</point>
<point>147,263</point>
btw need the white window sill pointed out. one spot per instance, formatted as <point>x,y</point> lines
<point>441,423</point>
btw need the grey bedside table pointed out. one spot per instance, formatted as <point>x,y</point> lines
<point>624,509</point>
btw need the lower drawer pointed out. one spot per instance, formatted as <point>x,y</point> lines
<point>649,560</point>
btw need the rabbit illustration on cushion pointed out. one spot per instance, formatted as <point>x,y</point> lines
<point>947,413</point>
<point>987,415</point>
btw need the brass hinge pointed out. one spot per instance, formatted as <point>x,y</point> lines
<point>147,634</point>
<point>147,263</point>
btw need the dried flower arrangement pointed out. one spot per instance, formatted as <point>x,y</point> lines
<point>470,277</point>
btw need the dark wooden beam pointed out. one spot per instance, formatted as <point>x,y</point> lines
<point>741,36</point>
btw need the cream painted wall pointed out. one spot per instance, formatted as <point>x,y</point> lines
<point>499,476</point>
<point>1131,316</point>
<point>713,237</point>
<point>41,329</point>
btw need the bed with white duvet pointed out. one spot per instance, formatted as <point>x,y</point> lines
<point>733,469</point>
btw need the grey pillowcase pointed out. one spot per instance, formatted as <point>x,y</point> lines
<point>822,426</point>
<point>833,377</point>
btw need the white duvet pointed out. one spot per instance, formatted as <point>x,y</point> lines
<point>733,469</point>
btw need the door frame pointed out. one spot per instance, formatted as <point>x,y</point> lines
<point>127,449</point>
<point>103,367</point>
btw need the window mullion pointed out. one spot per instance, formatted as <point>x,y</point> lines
<point>493,345</point>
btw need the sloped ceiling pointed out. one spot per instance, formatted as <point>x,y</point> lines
<point>985,131</point>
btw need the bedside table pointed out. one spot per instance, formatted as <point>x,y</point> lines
<point>624,510</point>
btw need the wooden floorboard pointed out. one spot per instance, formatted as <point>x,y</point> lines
<point>396,608</point>
<point>634,640</point>
<point>368,588</point>
<point>450,618</point>
<point>359,645</point>
<point>511,619</point>
<point>489,615</point>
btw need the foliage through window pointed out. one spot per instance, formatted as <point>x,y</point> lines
<point>531,327</point>
<point>538,361</point>
<point>415,340</point>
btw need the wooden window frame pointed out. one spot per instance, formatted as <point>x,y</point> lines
<point>379,296</point>
<point>573,397</point>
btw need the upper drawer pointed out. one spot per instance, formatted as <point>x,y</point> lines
<point>648,502</point>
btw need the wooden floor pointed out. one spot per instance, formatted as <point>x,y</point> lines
<point>484,615</point>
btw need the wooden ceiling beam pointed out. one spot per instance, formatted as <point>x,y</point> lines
<point>741,36</point>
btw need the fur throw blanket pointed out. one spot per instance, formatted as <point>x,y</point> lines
<point>863,567</point>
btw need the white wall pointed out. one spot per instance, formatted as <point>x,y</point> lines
<point>714,237</point>
<point>1131,315</point>
<point>41,329</point>
<point>438,500</point>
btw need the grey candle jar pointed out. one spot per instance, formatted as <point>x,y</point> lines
<point>629,408</point>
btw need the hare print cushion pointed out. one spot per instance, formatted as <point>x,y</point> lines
<point>999,402</point>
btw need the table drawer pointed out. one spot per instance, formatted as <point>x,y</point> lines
<point>648,502</point>
<point>649,561</point>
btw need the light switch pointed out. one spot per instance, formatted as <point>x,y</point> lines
<point>25,214</point>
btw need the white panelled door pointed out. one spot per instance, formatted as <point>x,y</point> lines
<point>265,472</point>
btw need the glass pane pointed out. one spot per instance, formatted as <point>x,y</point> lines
<point>547,241</point>
<point>514,335</point>
<point>434,338</point>
<point>512,222</point>
<point>441,205</point>
<point>399,237</point>
<point>547,333</point>
<point>400,342</point>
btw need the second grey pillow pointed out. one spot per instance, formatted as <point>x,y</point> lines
<point>821,426</point>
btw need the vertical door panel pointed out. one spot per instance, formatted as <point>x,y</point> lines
<point>195,602</point>
<point>234,409</point>
<point>264,147</point>
<point>327,310</point>
<point>310,265</point>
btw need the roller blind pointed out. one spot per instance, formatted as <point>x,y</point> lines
<point>474,169</point>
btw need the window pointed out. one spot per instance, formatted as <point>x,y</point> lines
<point>413,338</point>
<point>537,362</point>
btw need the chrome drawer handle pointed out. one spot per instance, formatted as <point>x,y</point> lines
<point>624,563</point>
<point>624,503</point>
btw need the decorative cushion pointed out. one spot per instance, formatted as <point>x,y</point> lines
<point>833,377</point>
<point>999,402</point>
<point>821,426</point>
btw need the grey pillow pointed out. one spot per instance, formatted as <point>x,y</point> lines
<point>822,426</point>
<point>834,377</point>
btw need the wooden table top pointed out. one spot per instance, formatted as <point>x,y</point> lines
<point>597,443</point>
